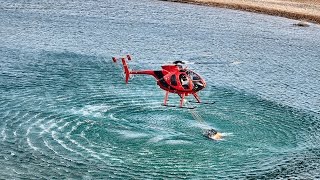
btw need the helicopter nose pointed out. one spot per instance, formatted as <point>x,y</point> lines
<point>198,85</point>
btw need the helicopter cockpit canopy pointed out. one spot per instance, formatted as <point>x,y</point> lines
<point>186,80</point>
<point>198,83</point>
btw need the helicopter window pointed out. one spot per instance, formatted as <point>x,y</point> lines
<point>193,76</point>
<point>173,80</point>
<point>184,81</point>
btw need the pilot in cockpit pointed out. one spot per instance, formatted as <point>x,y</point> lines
<point>184,81</point>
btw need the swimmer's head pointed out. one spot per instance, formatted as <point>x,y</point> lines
<point>213,134</point>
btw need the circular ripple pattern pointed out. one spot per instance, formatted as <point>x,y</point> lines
<point>96,126</point>
<point>66,113</point>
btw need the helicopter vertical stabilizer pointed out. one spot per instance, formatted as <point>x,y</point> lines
<point>126,69</point>
<point>125,66</point>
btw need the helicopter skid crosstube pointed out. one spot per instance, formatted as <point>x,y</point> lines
<point>173,106</point>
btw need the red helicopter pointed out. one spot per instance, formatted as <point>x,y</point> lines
<point>173,78</point>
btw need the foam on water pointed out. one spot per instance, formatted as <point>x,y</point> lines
<point>175,142</point>
<point>92,110</point>
<point>131,134</point>
<point>158,138</point>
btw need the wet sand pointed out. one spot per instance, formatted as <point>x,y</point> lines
<point>304,10</point>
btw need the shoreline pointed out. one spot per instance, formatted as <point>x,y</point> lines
<point>303,10</point>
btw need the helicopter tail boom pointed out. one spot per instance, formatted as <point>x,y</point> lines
<point>126,70</point>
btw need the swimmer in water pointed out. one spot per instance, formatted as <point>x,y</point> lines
<point>213,134</point>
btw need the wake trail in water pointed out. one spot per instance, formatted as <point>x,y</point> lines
<point>198,118</point>
<point>205,127</point>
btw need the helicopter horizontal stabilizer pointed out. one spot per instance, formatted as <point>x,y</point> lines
<point>128,57</point>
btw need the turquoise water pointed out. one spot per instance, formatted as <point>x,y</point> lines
<point>66,113</point>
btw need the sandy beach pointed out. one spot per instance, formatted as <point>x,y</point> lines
<point>304,10</point>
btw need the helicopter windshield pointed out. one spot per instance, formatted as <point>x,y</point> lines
<point>193,76</point>
<point>196,80</point>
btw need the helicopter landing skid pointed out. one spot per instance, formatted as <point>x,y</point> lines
<point>202,102</point>
<point>173,106</point>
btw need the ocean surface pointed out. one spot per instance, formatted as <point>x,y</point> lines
<point>65,111</point>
